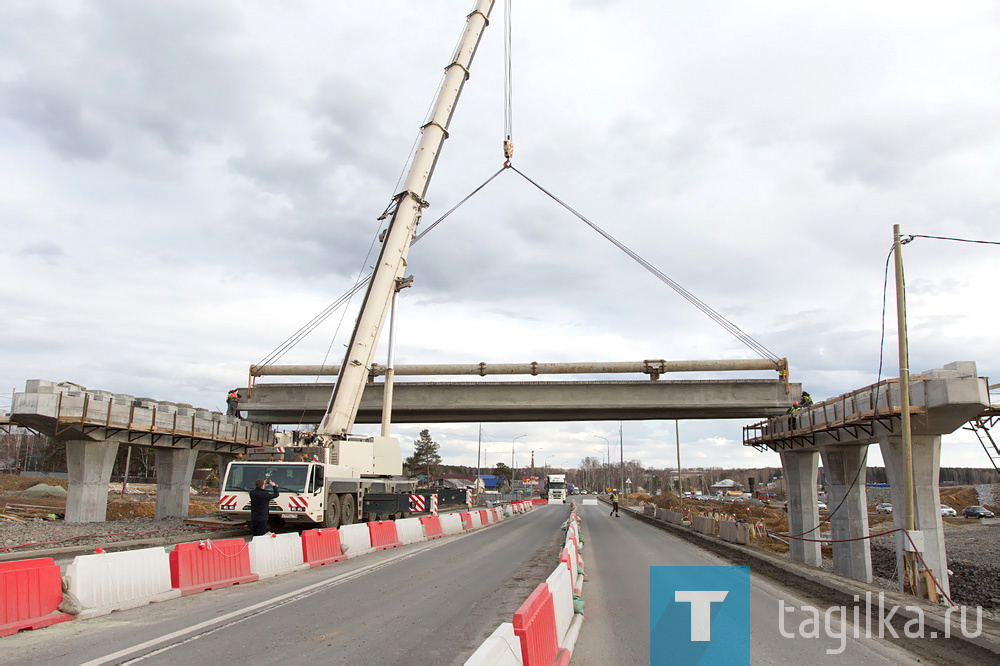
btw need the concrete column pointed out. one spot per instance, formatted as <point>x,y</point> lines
<point>926,472</point>
<point>222,461</point>
<point>89,465</point>
<point>174,469</point>
<point>800,469</point>
<point>842,464</point>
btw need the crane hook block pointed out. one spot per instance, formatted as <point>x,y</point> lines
<point>508,151</point>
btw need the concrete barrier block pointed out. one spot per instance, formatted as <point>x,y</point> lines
<point>590,502</point>
<point>552,501</point>
<point>355,539</point>
<point>106,582</point>
<point>561,587</point>
<point>409,530</point>
<point>275,554</point>
<point>648,510</point>
<point>660,514</point>
<point>451,523</point>
<point>502,648</point>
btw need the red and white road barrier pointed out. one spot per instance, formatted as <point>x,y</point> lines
<point>104,582</point>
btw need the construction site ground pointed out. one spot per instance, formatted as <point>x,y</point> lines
<point>973,547</point>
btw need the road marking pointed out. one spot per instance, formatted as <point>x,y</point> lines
<point>258,608</point>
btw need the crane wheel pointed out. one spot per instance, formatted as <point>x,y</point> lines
<point>348,509</point>
<point>332,512</point>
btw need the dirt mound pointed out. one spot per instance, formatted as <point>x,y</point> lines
<point>125,510</point>
<point>45,490</point>
<point>11,483</point>
<point>959,497</point>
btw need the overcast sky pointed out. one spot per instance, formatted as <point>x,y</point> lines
<point>184,183</point>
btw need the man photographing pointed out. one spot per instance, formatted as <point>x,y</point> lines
<point>259,500</point>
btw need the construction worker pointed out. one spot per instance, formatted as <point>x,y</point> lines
<point>614,503</point>
<point>806,400</point>
<point>232,403</point>
<point>260,500</point>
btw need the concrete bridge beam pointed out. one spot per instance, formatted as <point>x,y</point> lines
<point>800,469</point>
<point>926,450</point>
<point>174,470</point>
<point>845,474</point>
<point>89,465</point>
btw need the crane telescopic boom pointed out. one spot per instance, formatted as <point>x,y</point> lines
<point>407,206</point>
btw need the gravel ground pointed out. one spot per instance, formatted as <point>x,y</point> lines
<point>85,534</point>
<point>973,558</point>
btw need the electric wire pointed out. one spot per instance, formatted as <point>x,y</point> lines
<point>707,310</point>
<point>950,238</point>
<point>878,387</point>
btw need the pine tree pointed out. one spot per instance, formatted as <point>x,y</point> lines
<point>425,455</point>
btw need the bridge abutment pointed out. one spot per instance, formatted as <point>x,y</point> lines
<point>89,467</point>
<point>926,451</point>
<point>800,469</point>
<point>174,470</point>
<point>845,468</point>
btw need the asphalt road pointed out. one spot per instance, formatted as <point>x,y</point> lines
<point>618,553</point>
<point>428,603</point>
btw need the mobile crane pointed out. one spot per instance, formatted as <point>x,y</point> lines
<point>342,478</point>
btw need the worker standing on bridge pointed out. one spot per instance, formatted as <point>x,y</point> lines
<point>233,403</point>
<point>806,400</point>
<point>259,501</point>
<point>614,503</point>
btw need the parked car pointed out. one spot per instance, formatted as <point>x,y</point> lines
<point>883,507</point>
<point>948,511</point>
<point>977,512</point>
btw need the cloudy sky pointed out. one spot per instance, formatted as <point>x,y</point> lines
<point>183,184</point>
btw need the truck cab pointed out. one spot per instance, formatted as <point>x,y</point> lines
<point>555,485</point>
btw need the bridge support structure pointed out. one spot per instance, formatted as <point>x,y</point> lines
<point>841,429</point>
<point>89,466</point>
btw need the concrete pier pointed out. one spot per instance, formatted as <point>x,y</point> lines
<point>845,469</point>
<point>800,468</point>
<point>89,465</point>
<point>174,469</point>
<point>926,451</point>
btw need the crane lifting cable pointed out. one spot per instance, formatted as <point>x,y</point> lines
<point>278,352</point>
<point>508,98</point>
<point>729,326</point>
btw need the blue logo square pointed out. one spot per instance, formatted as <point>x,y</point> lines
<point>697,615</point>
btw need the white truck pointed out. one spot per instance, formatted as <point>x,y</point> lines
<point>555,485</point>
<point>341,478</point>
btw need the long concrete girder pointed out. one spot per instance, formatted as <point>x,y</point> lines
<point>470,402</point>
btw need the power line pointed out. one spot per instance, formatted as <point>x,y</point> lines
<point>950,238</point>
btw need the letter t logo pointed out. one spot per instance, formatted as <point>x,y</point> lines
<point>701,610</point>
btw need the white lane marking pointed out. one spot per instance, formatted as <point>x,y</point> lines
<point>302,591</point>
<point>268,605</point>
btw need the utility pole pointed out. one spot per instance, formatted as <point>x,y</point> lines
<point>680,484</point>
<point>909,522</point>
<point>479,451</point>
<point>621,458</point>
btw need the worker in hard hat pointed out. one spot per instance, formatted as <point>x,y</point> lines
<point>614,503</point>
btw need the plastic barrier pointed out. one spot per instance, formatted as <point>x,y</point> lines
<point>497,515</point>
<point>30,594</point>
<point>383,534</point>
<point>209,565</point>
<point>467,521</point>
<point>409,530</point>
<point>557,501</point>
<point>590,502</point>
<point>485,517</point>
<point>275,554</point>
<point>106,582</point>
<point>355,539</point>
<point>538,500</point>
<point>502,648</point>
<point>477,520</point>
<point>432,527</point>
<point>452,523</point>
<point>569,557</point>
<point>508,511</point>
<point>321,546</point>
<point>535,625</point>
<point>561,588</point>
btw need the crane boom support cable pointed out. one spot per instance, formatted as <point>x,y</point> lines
<point>278,352</point>
<point>718,318</point>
